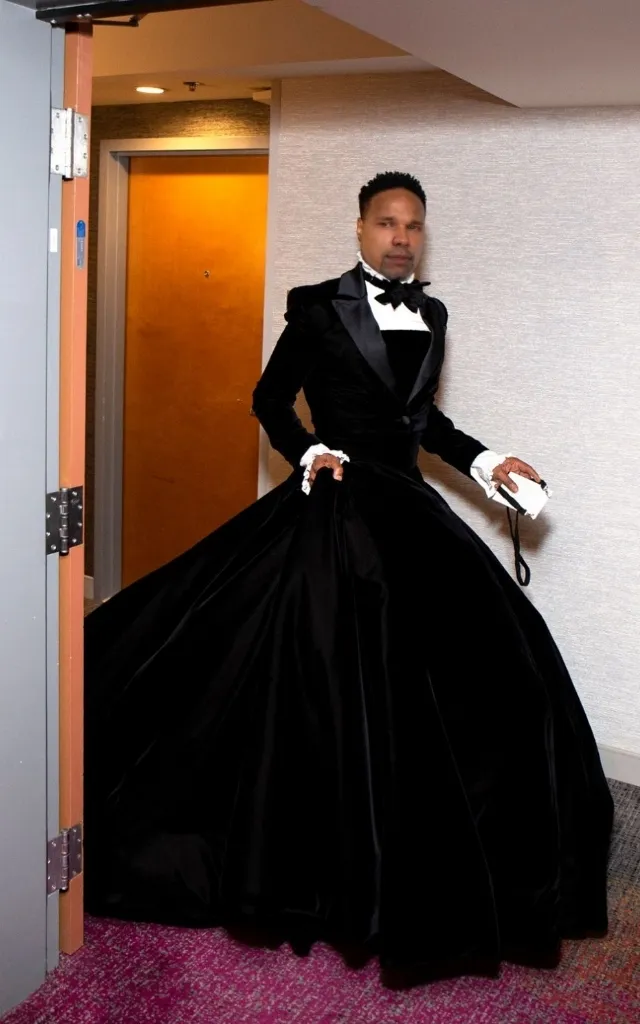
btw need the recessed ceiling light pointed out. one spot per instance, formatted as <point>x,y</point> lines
<point>150,90</point>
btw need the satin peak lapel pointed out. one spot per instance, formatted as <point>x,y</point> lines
<point>433,358</point>
<point>352,306</point>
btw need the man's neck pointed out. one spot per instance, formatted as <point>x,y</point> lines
<point>376,273</point>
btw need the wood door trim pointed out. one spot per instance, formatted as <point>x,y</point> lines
<point>115,157</point>
<point>73,353</point>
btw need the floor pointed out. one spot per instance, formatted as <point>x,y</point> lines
<point>142,974</point>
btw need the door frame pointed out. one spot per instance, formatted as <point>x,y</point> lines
<point>115,163</point>
<point>32,53</point>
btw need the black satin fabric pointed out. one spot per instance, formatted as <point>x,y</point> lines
<point>338,717</point>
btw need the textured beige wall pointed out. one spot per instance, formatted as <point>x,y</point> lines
<point>232,118</point>
<point>534,245</point>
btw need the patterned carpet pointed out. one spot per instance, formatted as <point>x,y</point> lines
<point>133,974</point>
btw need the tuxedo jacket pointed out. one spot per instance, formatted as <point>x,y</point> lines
<point>333,350</point>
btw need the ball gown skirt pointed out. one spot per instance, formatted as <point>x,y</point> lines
<point>338,718</point>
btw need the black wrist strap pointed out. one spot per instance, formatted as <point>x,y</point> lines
<point>523,572</point>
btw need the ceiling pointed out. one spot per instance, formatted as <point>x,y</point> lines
<point>531,53</point>
<point>234,51</point>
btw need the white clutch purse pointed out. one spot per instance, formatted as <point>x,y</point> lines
<point>528,500</point>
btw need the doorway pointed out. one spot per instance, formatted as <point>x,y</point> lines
<point>182,252</point>
<point>195,294</point>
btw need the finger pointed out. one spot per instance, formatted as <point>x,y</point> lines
<point>318,463</point>
<point>526,470</point>
<point>502,478</point>
<point>523,468</point>
<point>338,473</point>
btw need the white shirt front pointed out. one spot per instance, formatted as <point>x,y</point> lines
<point>389,319</point>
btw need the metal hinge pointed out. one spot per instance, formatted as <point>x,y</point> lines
<point>64,520</point>
<point>64,859</point>
<point>69,143</point>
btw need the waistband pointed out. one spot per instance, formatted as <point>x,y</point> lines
<point>400,453</point>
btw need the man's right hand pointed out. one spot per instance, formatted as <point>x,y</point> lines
<point>326,462</point>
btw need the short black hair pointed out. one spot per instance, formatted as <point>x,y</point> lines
<point>384,182</point>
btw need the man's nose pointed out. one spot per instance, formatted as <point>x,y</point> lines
<point>401,237</point>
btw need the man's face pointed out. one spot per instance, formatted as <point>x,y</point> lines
<point>391,233</point>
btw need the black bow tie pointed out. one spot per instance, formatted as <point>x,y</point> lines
<point>396,292</point>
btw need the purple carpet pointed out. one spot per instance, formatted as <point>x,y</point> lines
<point>144,974</point>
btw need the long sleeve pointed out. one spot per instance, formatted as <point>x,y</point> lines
<point>442,438</point>
<point>283,377</point>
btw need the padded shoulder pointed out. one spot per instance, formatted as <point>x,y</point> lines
<point>308,295</point>
<point>440,309</point>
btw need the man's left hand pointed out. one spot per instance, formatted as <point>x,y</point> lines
<point>501,473</point>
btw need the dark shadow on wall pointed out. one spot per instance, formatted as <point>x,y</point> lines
<point>444,477</point>
<point>233,118</point>
<point>533,531</point>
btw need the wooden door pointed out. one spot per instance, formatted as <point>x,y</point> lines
<point>195,294</point>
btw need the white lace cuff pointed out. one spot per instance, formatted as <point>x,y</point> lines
<point>310,455</point>
<point>482,469</point>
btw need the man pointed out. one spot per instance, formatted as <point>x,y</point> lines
<point>391,234</point>
<point>300,724</point>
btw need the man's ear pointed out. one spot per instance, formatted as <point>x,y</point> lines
<point>359,228</point>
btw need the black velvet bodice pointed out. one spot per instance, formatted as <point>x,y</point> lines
<point>405,352</point>
<point>370,393</point>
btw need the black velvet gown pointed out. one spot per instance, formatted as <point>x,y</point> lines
<point>339,718</point>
